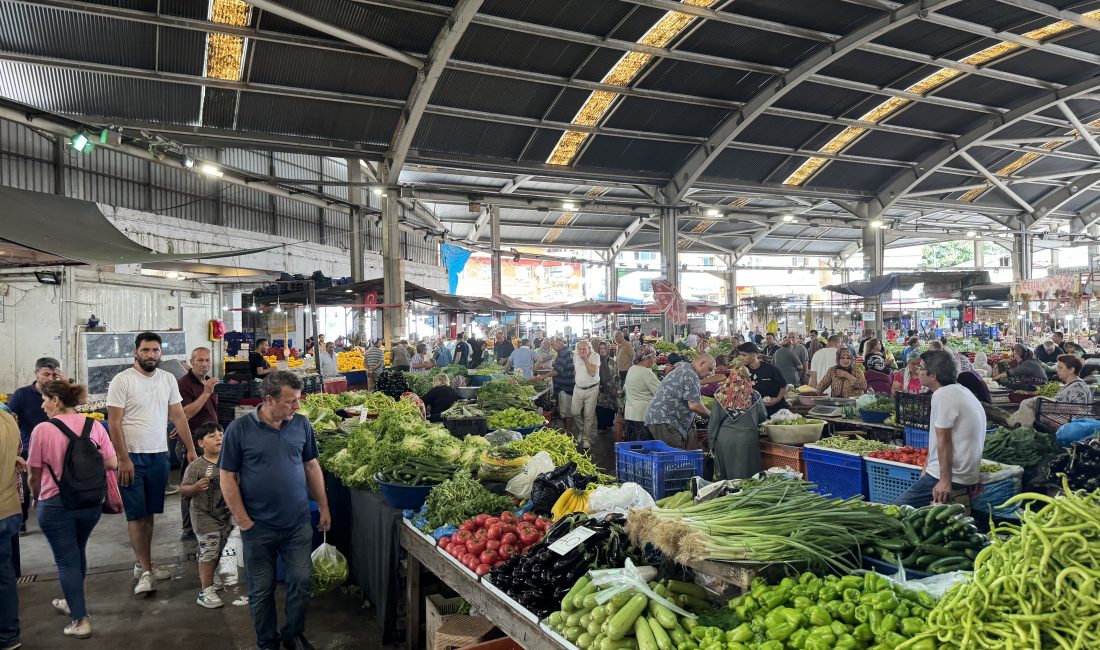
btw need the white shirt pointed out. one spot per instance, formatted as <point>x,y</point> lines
<point>640,386</point>
<point>955,407</point>
<point>329,367</point>
<point>582,378</point>
<point>146,401</point>
<point>691,341</point>
<point>824,359</point>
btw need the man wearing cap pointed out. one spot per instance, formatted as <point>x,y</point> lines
<point>766,378</point>
<point>26,405</point>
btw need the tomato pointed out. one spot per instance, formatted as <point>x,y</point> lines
<point>507,551</point>
<point>445,540</point>
<point>471,562</point>
<point>507,528</point>
<point>530,517</point>
<point>467,525</point>
<point>495,531</point>
<point>463,536</point>
<point>489,521</point>
<point>480,520</point>
<point>488,557</point>
<point>508,517</point>
<point>482,569</point>
<point>493,544</point>
<point>476,546</point>
<point>457,551</point>
<point>542,523</point>
<point>528,535</point>
<point>509,538</point>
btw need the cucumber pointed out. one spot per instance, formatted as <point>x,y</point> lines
<point>936,537</point>
<point>971,553</point>
<point>894,544</point>
<point>925,560</point>
<point>910,534</point>
<point>959,545</point>
<point>664,642</point>
<point>943,565</point>
<point>940,551</point>
<point>933,513</point>
<point>644,634</point>
<point>950,511</point>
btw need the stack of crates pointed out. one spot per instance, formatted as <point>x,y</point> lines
<point>660,470</point>
<point>836,473</point>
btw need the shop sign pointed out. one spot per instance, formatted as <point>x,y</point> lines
<point>986,315</point>
<point>1052,288</point>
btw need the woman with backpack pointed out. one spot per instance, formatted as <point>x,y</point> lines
<point>69,456</point>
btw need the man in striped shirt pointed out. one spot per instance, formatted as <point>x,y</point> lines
<point>374,360</point>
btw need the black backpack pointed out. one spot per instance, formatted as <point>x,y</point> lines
<point>83,482</point>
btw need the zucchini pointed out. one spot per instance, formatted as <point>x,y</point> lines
<point>621,623</point>
<point>950,511</point>
<point>664,642</point>
<point>593,627</point>
<point>644,634</point>
<point>894,544</point>
<point>940,551</point>
<point>584,641</point>
<point>572,633</point>
<point>576,597</point>
<point>574,618</point>
<point>678,635</point>
<point>556,620</point>
<point>620,644</point>
<point>585,621</point>
<point>599,613</point>
<point>689,588</point>
<point>662,615</point>
<point>589,602</point>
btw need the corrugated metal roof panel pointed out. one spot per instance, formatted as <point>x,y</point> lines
<point>219,108</point>
<point>404,30</point>
<point>435,178</point>
<point>821,98</point>
<point>85,93</point>
<point>493,94</point>
<point>501,47</point>
<point>996,15</point>
<point>1046,66</point>
<point>19,139</point>
<point>31,29</point>
<point>937,118</point>
<point>658,116</point>
<point>627,154</point>
<point>565,107</point>
<point>704,80</point>
<point>891,146</point>
<point>834,16</point>
<point>927,38</point>
<point>472,138</point>
<point>992,92</point>
<point>182,51</point>
<point>745,44</point>
<point>1085,40</point>
<point>743,165</point>
<point>780,131</point>
<point>597,17</point>
<point>542,144</point>
<point>868,67</point>
<point>854,176</point>
<point>312,118</point>
<point>182,8</point>
<point>299,67</point>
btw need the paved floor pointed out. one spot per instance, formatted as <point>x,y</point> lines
<point>170,620</point>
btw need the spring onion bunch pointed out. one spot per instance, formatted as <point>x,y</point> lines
<point>773,522</point>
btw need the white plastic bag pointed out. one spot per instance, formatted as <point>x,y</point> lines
<point>330,568</point>
<point>227,564</point>
<point>618,499</point>
<point>520,485</point>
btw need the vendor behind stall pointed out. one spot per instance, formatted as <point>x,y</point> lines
<point>257,364</point>
<point>766,378</point>
<point>440,398</point>
<point>732,430</point>
<point>844,379</point>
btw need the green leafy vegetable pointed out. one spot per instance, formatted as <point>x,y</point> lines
<point>461,498</point>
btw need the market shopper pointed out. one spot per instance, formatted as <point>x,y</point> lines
<point>670,417</point>
<point>1028,372</point>
<point>258,366</point>
<point>907,380</point>
<point>421,362</point>
<point>845,379</point>
<point>463,351</point>
<point>912,348</point>
<point>957,422</point>
<point>609,401</point>
<point>327,360</point>
<point>563,374</point>
<point>440,398</point>
<point>803,357</point>
<point>624,355</point>
<point>639,389</point>
<point>1048,352</point>
<point>25,403</point>
<point>269,471</point>
<point>586,391</point>
<point>771,346</point>
<point>441,354</point>
<point>733,428</point>
<point>140,402</point>
<point>544,356</point>
<point>200,406</point>
<point>399,356</point>
<point>202,485</point>
<point>11,518</point>
<point>766,378</point>
<point>67,529</point>
<point>787,362</point>
<point>1074,391</point>
<point>373,362</point>
<point>874,358</point>
<point>503,348</point>
<point>522,359</point>
<point>823,359</point>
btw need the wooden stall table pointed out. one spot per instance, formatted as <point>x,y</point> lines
<point>515,621</point>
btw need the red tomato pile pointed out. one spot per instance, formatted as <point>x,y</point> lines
<point>485,541</point>
<point>908,455</point>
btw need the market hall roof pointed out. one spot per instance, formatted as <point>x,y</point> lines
<point>936,115</point>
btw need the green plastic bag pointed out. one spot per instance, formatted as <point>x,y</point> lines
<point>330,568</point>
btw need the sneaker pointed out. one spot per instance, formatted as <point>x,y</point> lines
<point>159,573</point>
<point>81,629</point>
<point>171,489</point>
<point>12,645</point>
<point>61,606</point>
<point>145,585</point>
<point>218,585</point>
<point>23,530</point>
<point>209,599</point>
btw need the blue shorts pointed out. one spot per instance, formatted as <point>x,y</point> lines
<point>144,497</point>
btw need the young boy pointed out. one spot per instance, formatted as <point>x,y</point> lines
<point>209,514</point>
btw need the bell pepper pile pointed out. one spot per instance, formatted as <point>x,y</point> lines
<point>908,455</point>
<point>812,613</point>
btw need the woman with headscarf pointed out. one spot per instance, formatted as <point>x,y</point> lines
<point>640,386</point>
<point>732,432</point>
<point>607,402</point>
<point>981,365</point>
<point>845,379</point>
<point>908,380</point>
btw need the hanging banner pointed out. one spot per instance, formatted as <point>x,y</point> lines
<point>1053,288</point>
<point>984,315</point>
<point>669,301</point>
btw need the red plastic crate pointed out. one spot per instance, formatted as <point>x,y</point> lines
<point>774,454</point>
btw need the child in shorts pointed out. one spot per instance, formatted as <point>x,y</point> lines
<point>209,514</point>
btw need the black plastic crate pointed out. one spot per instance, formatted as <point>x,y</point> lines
<point>312,384</point>
<point>1050,415</point>
<point>462,427</point>
<point>912,410</point>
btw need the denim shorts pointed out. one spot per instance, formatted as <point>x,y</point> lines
<point>145,495</point>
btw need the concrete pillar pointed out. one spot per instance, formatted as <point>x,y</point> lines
<point>670,259</point>
<point>612,277</point>
<point>393,270</point>
<point>355,246</point>
<point>979,255</point>
<point>1021,257</point>
<point>1094,249</point>
<point>873,260</point>
<point>494,237</point>
<point>731,294</point>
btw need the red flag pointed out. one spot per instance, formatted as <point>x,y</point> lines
<point>669,301</point>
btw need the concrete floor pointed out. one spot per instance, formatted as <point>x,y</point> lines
<point>170,619</point>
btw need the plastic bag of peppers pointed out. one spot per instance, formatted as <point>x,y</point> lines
<point>812,613</point>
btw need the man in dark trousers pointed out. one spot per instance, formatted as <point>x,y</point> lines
<point>26,405</point>
<point>200,406</point>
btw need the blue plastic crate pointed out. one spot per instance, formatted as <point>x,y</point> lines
<point>915,437</point>
<point>887,480</point>
<point>836,473</point>
<point>660,470</point>
<point>999,487</point>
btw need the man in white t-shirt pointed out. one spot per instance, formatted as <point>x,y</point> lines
<point>824,359</point>
<point>140,402</point>
<point>956,436</point>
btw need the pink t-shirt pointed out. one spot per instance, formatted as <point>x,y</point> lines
<point>48,446</point>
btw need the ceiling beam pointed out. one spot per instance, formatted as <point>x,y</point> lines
<point>479,225</point>
<point>690,172</point>
<point>628,233</point>
<point>935,100</point>
<point>411,204</point>
<point>1044,9</point>
<point>738,19</point>
<point>513,185</point>
<point>426,80</point>
<point>754,239</point>
<point>1081,129</point>
<point>1010,37</point>
<point>998,183</point>
<point>968,68</point>
<point>293,15</point>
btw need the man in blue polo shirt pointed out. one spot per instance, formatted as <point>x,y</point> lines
<point>26,405</point>
<point>267,490</point>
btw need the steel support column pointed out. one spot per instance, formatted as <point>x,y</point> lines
<point>494,238</point>
<point>731,295</point>
<point>670,259</point>
<point>612,276</point>
<point>1021,257</point>
<point>979,255</point>
<point>1094,249</point>
<point>393,272</point>
<point>355,246</point>
<point>873,260</point>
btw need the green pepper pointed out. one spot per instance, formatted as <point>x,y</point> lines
<point>847,613</point>
<point>892,640</point>
<point>912,626</point>
<point>802,603</point>
<point>787,583</point>
<point>771,645</point>
<point>885,601</point>
<point>687,645</point>
<point>875,620</point>
<point>889,624</point>
<point>924,644</point>
<point>820,640</point>
<point>851,582</point>
<point>735,646</point>
<point>743,613</point>
<point>739,634</point>
<point>818,615</point>
<point>772,599</point>
<point>838,628</point>
<point>925,600</point>
<point>749,602</point>
<point>794,617</point>
<point>833,607</point>
<point>846,642</point>
<point>902,610</point>
<point>827,593</point>
<point>863,633</point>
<point>798,639</point>
<point>869,582</point>
<point>851,596</point>
<point>775,617</point>
<point>862,613</point>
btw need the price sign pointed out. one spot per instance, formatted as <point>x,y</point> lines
<point>572,540</point>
